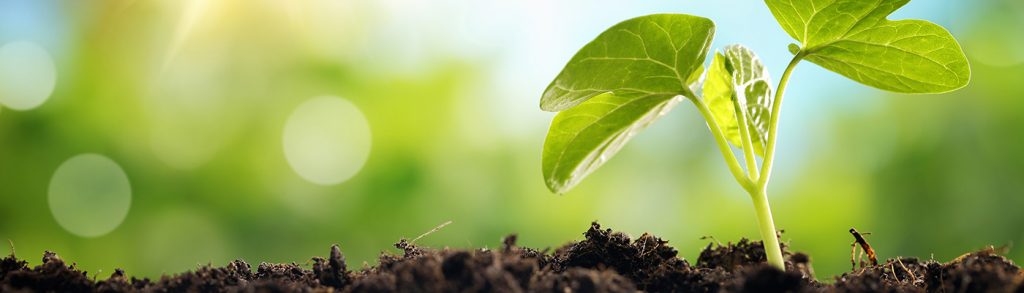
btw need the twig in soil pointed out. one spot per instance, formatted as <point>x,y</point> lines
<point>866,248</point>
<point>712,238</point>
<point>892,269</point>
<point>909,272</point>
<point>431,231</point>
<point>860,259</point>
<point>12,247</point>
<point>853,256</point>
<point>643,249</point>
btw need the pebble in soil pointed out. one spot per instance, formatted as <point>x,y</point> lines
<point>606,261</point>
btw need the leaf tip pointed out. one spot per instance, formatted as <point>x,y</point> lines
<point>556,187</point>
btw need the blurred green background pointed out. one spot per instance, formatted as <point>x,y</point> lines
<point>191,100</point>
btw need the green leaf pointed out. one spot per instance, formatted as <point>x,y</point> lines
<point>694,78</point>
<point>738,79</point>
<point>719,95</point>
<point>616,85</point>
<point>584,137</point>
<point>653,54</point>
<point>854,38</point>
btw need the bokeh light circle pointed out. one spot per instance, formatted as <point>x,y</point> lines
<point>27,75</point>
<point>326,140</point>
<point>89,195</point>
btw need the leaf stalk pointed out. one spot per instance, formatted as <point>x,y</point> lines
<point>748,145</point>
<point>723,145</point>
<point>773,122</point>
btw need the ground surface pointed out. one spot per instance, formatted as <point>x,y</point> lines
<point>605,261</point>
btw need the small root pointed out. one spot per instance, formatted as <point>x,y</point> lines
<point>913,277</point>
<point>853,256</point>
<point>712,238</point>
<point>431,231</point>
<point>892,269</point>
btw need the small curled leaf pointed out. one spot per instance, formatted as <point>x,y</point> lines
<point>794,48</point>
<point>738,79</point>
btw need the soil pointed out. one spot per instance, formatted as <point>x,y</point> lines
<point>605,261</point>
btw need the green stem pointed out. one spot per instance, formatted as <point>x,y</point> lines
<point>758,191</point>
<point>768,235</point>
<point>748,146</point>
<point>773,122</point>
<point>759,194</point>
<point>723,146</point>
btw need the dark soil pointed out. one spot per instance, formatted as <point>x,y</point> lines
<point>606,261</point>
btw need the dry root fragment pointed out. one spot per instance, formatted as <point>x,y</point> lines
<point>865,248</point>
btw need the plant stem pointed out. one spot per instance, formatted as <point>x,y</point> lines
<point>758,191</point>
<point>760,194</point>
<point>773,122</point>
<point>769,237</point>
<point>748,146</point>
<point>723,146</point>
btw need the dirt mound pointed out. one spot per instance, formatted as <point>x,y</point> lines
<point>606,261</point>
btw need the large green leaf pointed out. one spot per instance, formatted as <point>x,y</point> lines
<point>615,86</point>
<point>584,137</point>
<point>854,38</point>
<point>738,80</point>
<point>653,54</point>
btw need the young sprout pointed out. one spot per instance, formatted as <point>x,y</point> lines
<point>639,69</point>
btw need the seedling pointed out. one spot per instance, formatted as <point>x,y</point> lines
<point>639,69</point>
